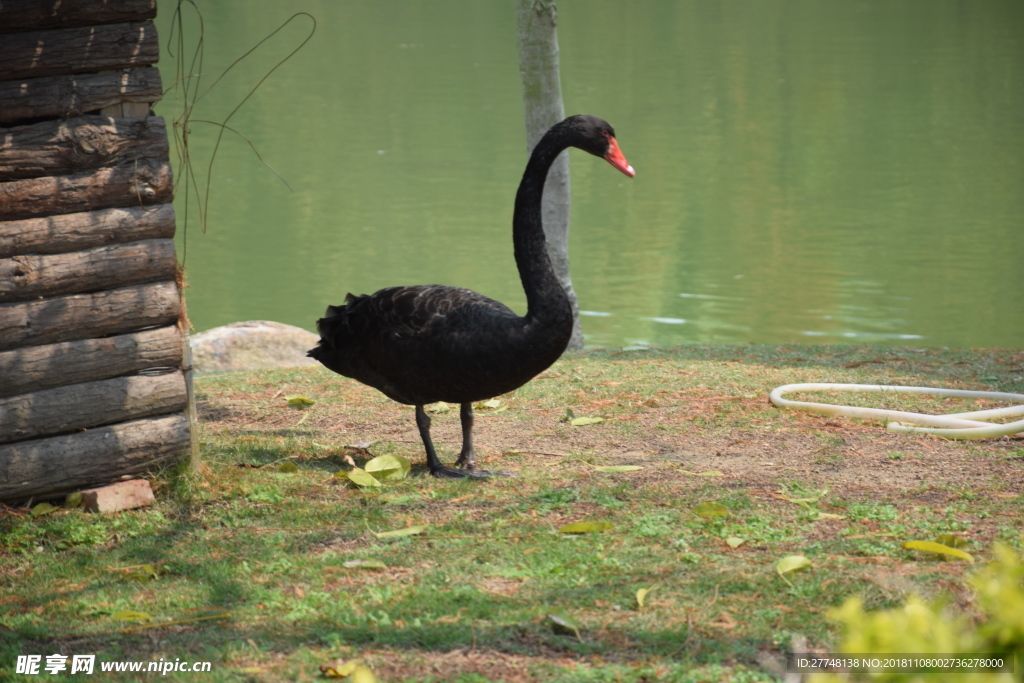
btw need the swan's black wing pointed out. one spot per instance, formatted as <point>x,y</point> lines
<point>419,344</point>
<point>417,312</point>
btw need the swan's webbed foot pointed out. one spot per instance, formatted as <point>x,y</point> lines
<point>467,463</point>
<point>495,473</point>
<point>444,472</point>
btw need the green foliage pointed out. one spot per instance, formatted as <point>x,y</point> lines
<point>550,499</point>
<point>881,513</point>
<point>60,529</point>
<point>265,494</point>
<point>655,525</point>
<point>1000,589</point>
<point>933,628</point>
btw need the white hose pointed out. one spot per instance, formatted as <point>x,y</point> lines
<point>972,425</point>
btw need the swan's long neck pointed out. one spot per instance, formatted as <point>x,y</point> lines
<point>545,299</point>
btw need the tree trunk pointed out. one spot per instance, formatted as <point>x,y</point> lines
<point>134,183</point>
<point>32,15</point>
<point>34,368</point>
<point>85,142</point>
<point>75,407</point>
<point>542,105</point>
<point>61,464</point>
<point>75,231</point>
<point>34,276</point>
<point>81,316</point>
<point>67,95</point>
<point>104,47</point>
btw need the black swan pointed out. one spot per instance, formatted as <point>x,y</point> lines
<point>429,343</point>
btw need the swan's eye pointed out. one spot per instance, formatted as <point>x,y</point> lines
<point>606,133</point>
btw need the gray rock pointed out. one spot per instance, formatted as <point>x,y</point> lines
<point>251,345</point>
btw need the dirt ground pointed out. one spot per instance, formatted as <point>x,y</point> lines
<point>849,457</point>
<point>850,454</point>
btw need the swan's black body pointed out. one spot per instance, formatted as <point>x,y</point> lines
<point>431,343</point>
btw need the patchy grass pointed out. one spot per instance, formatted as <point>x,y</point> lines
<point>251,561</point>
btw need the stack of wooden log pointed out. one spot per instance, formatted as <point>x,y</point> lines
<point>92,385</point>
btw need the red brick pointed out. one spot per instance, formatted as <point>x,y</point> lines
<point>123,495</point>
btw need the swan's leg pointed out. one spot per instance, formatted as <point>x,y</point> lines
<point>433,462</point>
<point>467,458</point>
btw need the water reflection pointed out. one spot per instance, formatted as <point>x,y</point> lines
<point>808,170</point>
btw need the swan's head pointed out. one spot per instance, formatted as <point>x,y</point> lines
<point>598,137</point>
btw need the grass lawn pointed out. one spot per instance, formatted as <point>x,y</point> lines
<point>254,565</point>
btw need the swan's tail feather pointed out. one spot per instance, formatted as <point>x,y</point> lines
<point>328,326</point>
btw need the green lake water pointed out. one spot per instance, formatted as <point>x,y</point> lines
<point>809,171</point>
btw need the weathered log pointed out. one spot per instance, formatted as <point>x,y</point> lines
<point>90,404</point>
<point>60,464</point>
<point>126,110</point>
<point>34,368</point>
<point>76,231</point>
<point>78,50</point>
<point>33,15</point>
<point>134,183</point>
<point>83,316</point>
<point>32,276</point>
<point>85,142</point>
<point>73,95</point>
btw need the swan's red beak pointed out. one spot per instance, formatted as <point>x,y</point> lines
<point>616,159</point>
